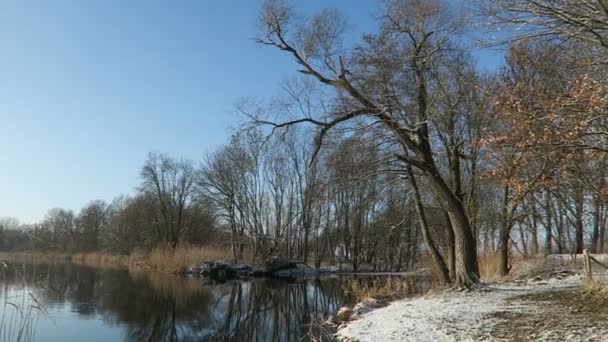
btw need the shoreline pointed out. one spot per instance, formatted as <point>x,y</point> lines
<point>174,262</point>
<point>483,314</point>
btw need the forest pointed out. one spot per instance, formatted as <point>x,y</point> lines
<point>388,149</point>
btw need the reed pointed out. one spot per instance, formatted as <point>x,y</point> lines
<point>174,260</point>
<point>163,259</point>
<point>521,266</point>
<point>384,289</point>
<point>20,310</point>
<point>34,257</point>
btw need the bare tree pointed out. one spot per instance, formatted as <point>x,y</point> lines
<point>369,87</point>
<point>221,179</point>
<point>170,183</point>
<point>582,20</point>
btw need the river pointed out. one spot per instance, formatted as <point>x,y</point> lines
<point>69,302</point>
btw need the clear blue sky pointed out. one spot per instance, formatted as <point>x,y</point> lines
<point>88,88</point>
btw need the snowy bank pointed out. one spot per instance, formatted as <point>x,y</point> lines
<point>462,316</point>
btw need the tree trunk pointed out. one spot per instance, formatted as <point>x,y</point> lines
<point>602,230</point>
<point>549,233</point>
<point>522,237</point>
<point>535,247</point>
<point>596,226</point>
<point>451,247</point>
<point>559,221</point>
<point>443,274</point>
<point>579,222</point>
<point>505,235</point>
<point>466,268</point>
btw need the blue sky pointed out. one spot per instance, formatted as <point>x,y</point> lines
<point>88,88</point>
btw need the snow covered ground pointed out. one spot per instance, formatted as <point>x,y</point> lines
<point>474,316</point>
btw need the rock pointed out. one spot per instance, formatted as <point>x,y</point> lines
<point>258,272</point>
<point>277,263</point>
<point>223,270</point>
<point>297,272</point>
<point>344,314</point>
<point>272,267</point>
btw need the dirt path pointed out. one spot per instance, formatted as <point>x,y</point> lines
<point>535,310</point>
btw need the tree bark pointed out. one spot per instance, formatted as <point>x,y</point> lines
<point>443,274</point>
<point>466,268</point>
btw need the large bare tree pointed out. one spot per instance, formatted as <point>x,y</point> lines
<point>384,83</point>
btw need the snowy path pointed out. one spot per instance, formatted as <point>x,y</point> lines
<point>457,316</point>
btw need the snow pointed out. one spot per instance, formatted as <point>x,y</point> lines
<point>449,315</point>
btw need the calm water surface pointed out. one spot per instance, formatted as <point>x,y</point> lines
<point>90,304</point>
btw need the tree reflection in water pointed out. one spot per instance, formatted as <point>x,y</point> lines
<point>156,307</point>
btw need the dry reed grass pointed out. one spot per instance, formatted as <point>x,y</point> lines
<point>170,260</point>
<point>162,259</point>
<point>34,257</point>
<point>383,289</point>
<point>521,266</point>
<point>19,311</point>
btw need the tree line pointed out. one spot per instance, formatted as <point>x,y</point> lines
<point>393,146</point>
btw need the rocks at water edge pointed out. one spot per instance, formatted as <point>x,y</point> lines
<point>277,263</point>
<point>272,267</point>
<point>222,270</point>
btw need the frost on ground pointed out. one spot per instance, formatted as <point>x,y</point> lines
<point>536,309</point>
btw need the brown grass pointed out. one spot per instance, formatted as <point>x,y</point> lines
<point>488,266</point>
<point>34,257</point>
<point>169,260</point>
<point>162,259</point>
<point>521,267</point>
<point>384,289</point>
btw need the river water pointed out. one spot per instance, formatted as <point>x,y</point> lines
<point>68,302</point>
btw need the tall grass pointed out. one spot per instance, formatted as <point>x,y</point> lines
<point>34,257</point>
<point>174,260</point>
<point>384,289</point>
<point>488,266</point>
<point>521,266</point>
<point>162,259</point>
<point>20,310</point>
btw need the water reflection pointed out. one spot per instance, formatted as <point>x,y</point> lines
<point>85,303</point>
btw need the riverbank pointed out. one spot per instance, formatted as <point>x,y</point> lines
<point>165,260</point>
<point>549,307</point>
<point>184,260</point>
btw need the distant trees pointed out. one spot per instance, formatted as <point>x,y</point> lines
<point>60,223</point>
<point>90,222</point>
<point>11,237</point>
